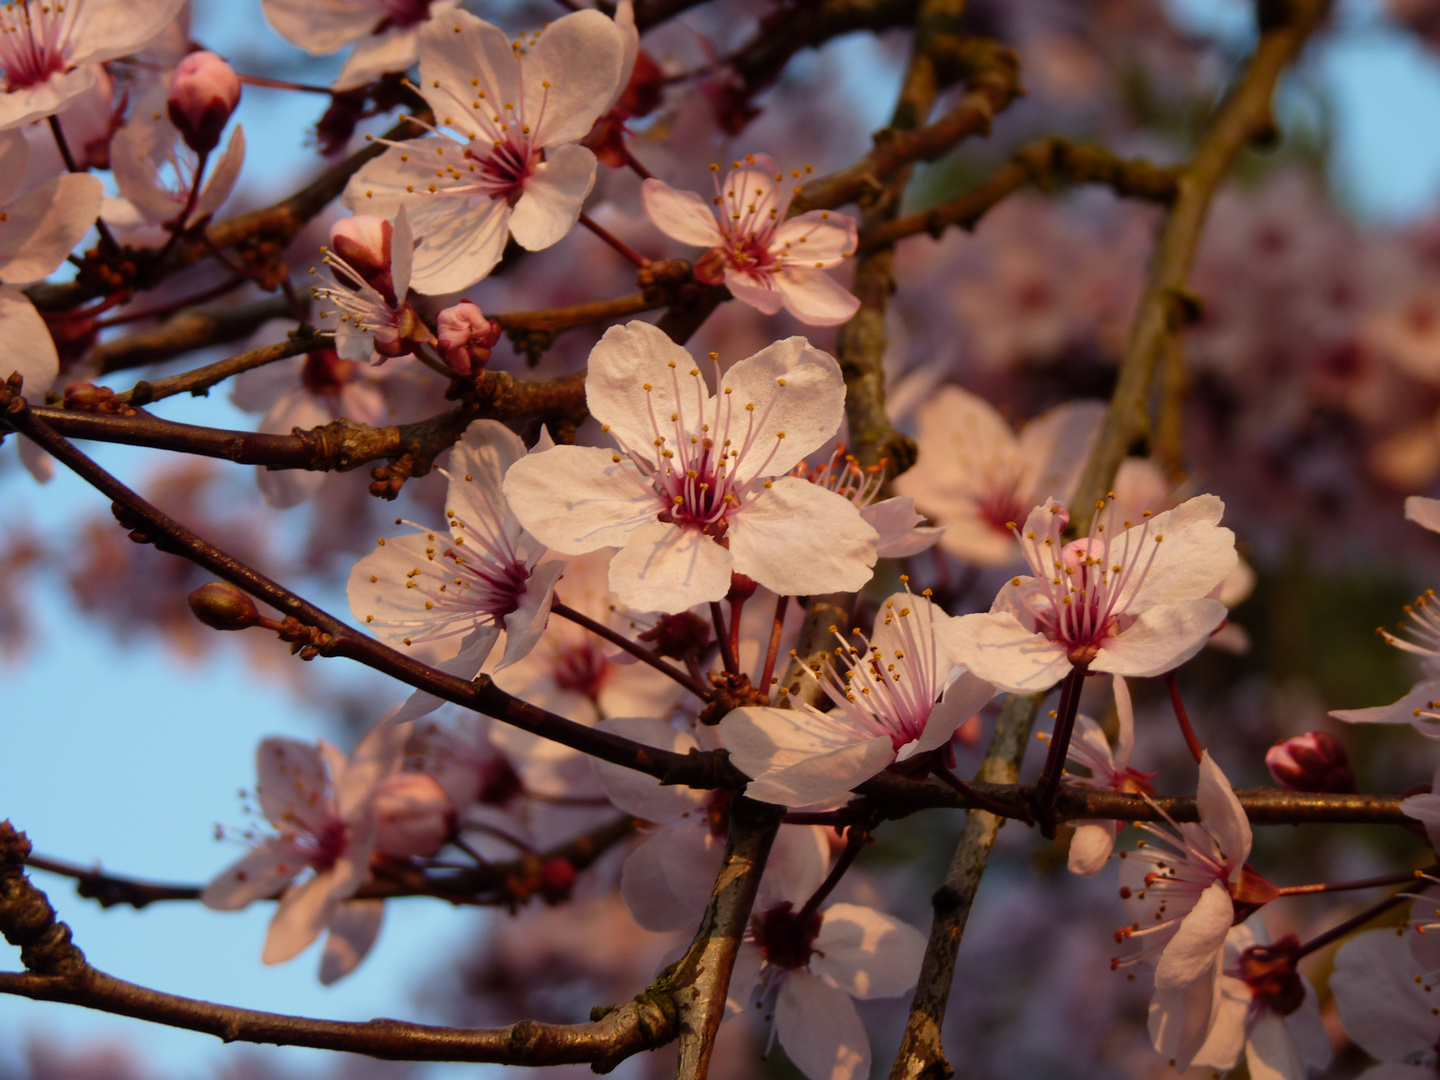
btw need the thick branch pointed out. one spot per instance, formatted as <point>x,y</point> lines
<point>1244,118</point>
<point>921,1053</point>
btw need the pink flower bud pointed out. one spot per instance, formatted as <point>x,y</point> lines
<point>203,93</point>
<point>363,242</point>
<point>466,337</point>
<point>413,815</point>
<point>1315,761</point>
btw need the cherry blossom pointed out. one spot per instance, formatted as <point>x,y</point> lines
<point>385,33</point>
<point>323,809</point>
<point>895,520</point>
<point>1182,888</point>
<point>1132,602</point>
<point>464,337</point>
<point>1420,708</point>
<point>37,231</point>
<point>975,476</point>
<point>204,91</point>
<point>800,968</point>
<point>689,498</point>
<point>156,170</point>
<point>666,880</point>
<point>514,168</point>
<point>764,259</point>
<point>1109,770</point>
<point>885,710</point>
<point>1268,1011</point>
<point>371,259</point>
<point>52,53</point>
<point>1387,1005</point>
<point>482,580</point>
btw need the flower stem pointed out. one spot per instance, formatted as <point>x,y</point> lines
<point>283,84</point>
<point>1335,933</point>
<point>177,229</point>
<point>722,638</point>
<point>1172,684</point>
<point>635,166</point>
<point>1341,886</point>
<point>768,672</point>
<point>66,156</point>
<point>614,241</point>
<point>855,839</point>
<point>565,611</point>
<point>1065,712</point>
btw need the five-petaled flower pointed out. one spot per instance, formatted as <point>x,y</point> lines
<point>322,808</point>
<point>689,496</point>
<point>514,166</point>
<point>764,260</point>
<point>885,709</point>
<point>1132,602</point>
<point>480,580</point>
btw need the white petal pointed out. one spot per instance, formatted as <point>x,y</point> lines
<point>1308,1030</point>
<point>645,886</point>
<point>105,29</point>
<point>1194,952</point>
<point>223,175</point>
<point>1180,1019</point>
<point>378,54</point>
<point>963,698</point>
<point>1407,710</point>
<point>1160,640</point>
<point>14,162</point>
<point>1001,651</point>
<point>622,364</point>
<point>798,757</point>
<point>577,499</point>
<point>818,236</point>
<point>1183,553</point>
<point>1226,1040</point>
<point>799,398</point>
<point>353,930</point>
<point>44,225</point>
<point>1271,1053</point>
<point>1424,512</point>
<point>465,665</point>
<point>526,623</point>
<point>554,194</point>
<point>580,56</point>
<point>1381,1005</point>
<point>376,756</point>
<point>815,298</point>
<point>1222,815</point>
<point>459,241</point>
<point>304,911</point>
<point>899,526</point>
<point>680,215</point>
<point>763,297</point>
<point>257,874</point>
<point>38,100</point>
<point>320,26</point>
<point>453,51</point>
<point>820,1030</point>
<point>636,792</point>
<point>663,567</point>
<point>867,953</point>
<point>29,348</point>
<point>799,859</point>
<point>798,539</point>
<point>1090,847</point>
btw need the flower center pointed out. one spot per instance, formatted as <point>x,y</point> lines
<point>1269,972</point>
<point>34,35</point>
<point>402,13</point>
<point>500,171</point>
<point>784,940</point>
<point>330,844</point>
<point>581,669</point>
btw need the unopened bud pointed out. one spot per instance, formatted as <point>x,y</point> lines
<point>557,877</point>
<point>1315,761</point>
<point>413,815</point>
<point>741,588</point>
<point>363,241</point>
<point>203,93</point>
<point>466,337</point>
<point>222,606</point>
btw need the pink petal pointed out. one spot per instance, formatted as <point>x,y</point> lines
<point>663,567</point>
<point>867,953</point>
<point>764,298</point>
<point>259,873</point>
<point>1090,847</point>
<point>998,649</point>
<point>353,930</point>
<point>1421,698</point>
<point>797,539</point>
<point>820,1030</point>
<point>636,792</point>
<point>1424,512</point>
<point>1193,954</point>
<point>799,398</point>
<point>1223,816</point>
<point>43,226</point>
<point>680,215</point>
<point>577,499</point>
<point>579,55</point>
<point>1381,1005</point>
<point>818,236</point>
<point>1160,640</point>
<point>554,195</point>
<point>814,297</point>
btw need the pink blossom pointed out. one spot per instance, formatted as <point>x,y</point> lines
<point>885,709</point>
<point>203,93</point>
<point>694,469</point>
<point>467,589</point>
<point>1182,895</point>
<point>371,261</point>
<point>765,260</point>
<point>1386,1002</point>
<point>52,53</point>
<point>385,33</point>
<point>895,520</point>
<point>1131,601</point>
<point>976,477</point>
<point>323,809</point>
<point>514,168</point>
<point>413,815</point>
<point>1314,761</point>
<point>37,231</point>
<point>465,337</point>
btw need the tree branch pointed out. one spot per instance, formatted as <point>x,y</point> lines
<point>921,1052</point>
<point>197,383</point>
<point>197,328</point>
<point>1165,308</point>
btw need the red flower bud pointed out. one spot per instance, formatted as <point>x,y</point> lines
<point>363,242</point>
<point>203,93</point>
<point>413,815</point>
<point>466,337</point>
<point>1315,761</point>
